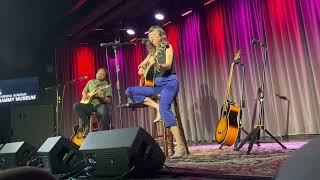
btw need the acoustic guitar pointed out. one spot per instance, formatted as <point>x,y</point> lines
<point>93,93</point>
<point>78,135</point>
<point>150,70</point>
<point>227,128</point>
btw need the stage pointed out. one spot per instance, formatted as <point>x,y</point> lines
<point>207,161</point>
<point>210,162</point>
<point>252,65</point>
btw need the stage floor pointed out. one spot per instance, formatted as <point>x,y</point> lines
<point>208,161</point>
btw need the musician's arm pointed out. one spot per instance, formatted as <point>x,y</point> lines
<point>85,91</point>
<point>144,62</point>
<point>106,96</point>
<point>107,99</point>
<point>169,58</point>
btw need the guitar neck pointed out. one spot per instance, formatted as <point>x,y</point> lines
<point>235,60</point>
<point>229,81</point>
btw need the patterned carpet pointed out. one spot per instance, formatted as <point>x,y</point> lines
<point>264,161</point>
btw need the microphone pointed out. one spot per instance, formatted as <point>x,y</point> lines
<point>142,40</point>
<point>106,44</point>
<point>80,79</point>
<point>257,42</point>
<point>109,44</point>
<point>83,78</point>
<point>71,82</point>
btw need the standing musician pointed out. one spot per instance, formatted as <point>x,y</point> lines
<point>96,97</point>
<point>166,84</point>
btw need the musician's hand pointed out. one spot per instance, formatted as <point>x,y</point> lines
<point>157,65</point>
<point>152,60</point>
<point>108,99</point>
<point>140,71</point>
<point>85,96</point>
<point>101,94</point>
<point>90,94</point>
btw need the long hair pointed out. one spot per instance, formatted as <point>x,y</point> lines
<point>152,48</point>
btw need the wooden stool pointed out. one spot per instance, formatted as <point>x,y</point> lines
<point>94,122</point>
<point>166,134</point>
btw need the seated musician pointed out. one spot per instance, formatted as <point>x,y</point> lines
<point>96,97</point>
<point>160,54</point>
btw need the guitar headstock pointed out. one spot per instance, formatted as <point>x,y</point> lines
<point>237,56</point>
<point>163,46</point>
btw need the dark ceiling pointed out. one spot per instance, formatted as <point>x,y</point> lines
<point>105,20</point>
<point>31,29</point>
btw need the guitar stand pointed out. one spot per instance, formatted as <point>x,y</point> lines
<point>239,136</point>
<point>254,135</point>
<point>242,105</point>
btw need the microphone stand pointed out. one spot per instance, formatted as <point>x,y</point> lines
<point>254,135</point>
<point>115,46</point>
<point>59,100</point>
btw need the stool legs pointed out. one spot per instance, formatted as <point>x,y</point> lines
<point>177,132</point>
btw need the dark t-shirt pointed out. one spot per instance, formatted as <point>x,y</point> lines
<point>163,71</point>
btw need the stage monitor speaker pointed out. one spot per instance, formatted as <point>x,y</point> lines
<point>59,155</point>
<point>130,151</point>
<point>16,154</point>
<point>303,164</point>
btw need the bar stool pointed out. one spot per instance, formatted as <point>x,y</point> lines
<point>167,137</point>
<point>94,122</point>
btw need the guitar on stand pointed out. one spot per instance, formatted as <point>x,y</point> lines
<point>228,127</point>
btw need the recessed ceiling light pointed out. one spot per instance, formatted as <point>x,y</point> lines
<point>130,32</point>
<point>159,16</point>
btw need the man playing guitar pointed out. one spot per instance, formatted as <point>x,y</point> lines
<point>96,97</point>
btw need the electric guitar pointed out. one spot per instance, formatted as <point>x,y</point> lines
<point>227,128</point>
<point>93,93</point>
<point>150,70</point>
<point>78,135</point>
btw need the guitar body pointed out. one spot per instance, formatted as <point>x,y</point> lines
<point>150,70</point>
<point>149,76</point>
<point>227,128</point>
<point>93,94</point>
<point>86,101</point>
<point>77,137</point>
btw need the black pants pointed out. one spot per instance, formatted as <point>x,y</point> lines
<point>103,111</point>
